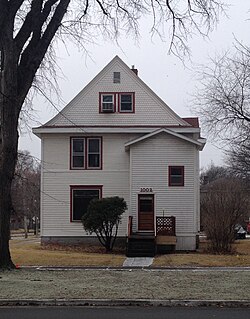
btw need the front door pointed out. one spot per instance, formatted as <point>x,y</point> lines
<point>146,212</point>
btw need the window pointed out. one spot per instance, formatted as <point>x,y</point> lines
<point>86,153</point>
<point>176,176</point>
<point>126,102</point>
<point>80,199</point>
<point>78,153</point>
<point>116,77</point>
<point>93,153</point>
<point>107,102</point>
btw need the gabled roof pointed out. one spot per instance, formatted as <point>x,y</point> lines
<point>200,143</point>
<point>80,111</point>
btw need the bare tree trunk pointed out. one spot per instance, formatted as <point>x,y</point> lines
<point>7,166</point>
<point>9,110</point>
<point>25,223</point>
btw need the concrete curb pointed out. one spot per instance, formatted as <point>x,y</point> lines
<point>188,268</point>
<point>123,303</point>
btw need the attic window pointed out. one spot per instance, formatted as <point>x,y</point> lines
<point>116,77</point>
<point>107,102</point>
<point>126,102</point>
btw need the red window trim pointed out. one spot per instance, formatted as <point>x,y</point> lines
<point>72,188</point>
<point>116,96</point>
<point>87,157</point>
<point>133,102</point>
<point>71,153</point>
<point>86,167</point>
<point>100,100</point>
<point>169,176</point>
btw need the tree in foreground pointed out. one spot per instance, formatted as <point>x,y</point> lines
<point>224,204</point>
<point>28,29</point>
<point>103,218</point>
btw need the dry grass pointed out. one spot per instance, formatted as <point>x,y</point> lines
<point>33,254</point>
<point>26,252</point>
<point>241,257</point>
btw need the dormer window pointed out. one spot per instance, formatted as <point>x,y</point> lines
<point>107,102</point>
<point>126,102</point>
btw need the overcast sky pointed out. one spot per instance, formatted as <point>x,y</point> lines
<point>166,75</point>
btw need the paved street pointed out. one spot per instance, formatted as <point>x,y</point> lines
<point>123,313</point>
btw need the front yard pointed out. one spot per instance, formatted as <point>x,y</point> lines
<point>29,252</point>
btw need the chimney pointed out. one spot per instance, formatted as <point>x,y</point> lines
<point>134,70</point>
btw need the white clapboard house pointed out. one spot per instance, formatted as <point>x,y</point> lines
<point>118,138</point>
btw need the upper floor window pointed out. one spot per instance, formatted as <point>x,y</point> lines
<point>107,102</point>
<point>94,152</point>
<point>126,102</point>
<point>176,176</point>
<point>86,153</point>
<point>78,153</point>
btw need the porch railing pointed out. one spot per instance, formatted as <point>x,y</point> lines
<point>165,226</point>
<point>130,225</point>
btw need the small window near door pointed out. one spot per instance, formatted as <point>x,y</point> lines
<point>176,176</point>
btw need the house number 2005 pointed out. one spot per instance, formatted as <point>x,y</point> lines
<point>146,190</point>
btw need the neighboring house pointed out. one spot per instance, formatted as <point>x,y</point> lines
<point>118,138</point>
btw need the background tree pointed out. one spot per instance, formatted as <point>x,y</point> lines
<point>27,31</point>
<point>103,218</point>
<point>224,204</point>
<point>26,190</point>
<point>223,102</point>
<point>213,173</point>
<point>238,159</point>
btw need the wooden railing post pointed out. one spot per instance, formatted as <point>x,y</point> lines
<point>130,225</point>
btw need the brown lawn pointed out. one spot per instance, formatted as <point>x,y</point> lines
<point>29,252</point>
<point>240,257</point>
<point>33,254</point>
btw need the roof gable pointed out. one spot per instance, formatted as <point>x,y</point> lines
<point>200,143</point>
<point>149,108</point>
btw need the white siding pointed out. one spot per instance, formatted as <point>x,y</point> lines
<point>149,162</point>
<point>57,178</point>
<point>149,109</point>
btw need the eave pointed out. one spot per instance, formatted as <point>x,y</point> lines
<point>39,131</point>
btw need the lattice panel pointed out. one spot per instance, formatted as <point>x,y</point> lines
<point>165,226</point>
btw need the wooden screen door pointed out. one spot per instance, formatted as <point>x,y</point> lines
<point>146,212</point>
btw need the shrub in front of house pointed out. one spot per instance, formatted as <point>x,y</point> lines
<point>103,218</point>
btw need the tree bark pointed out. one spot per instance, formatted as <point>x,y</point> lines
<point>9,114</point>
<point>8,153</point>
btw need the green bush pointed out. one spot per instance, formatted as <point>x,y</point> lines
<point>103,218</point>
